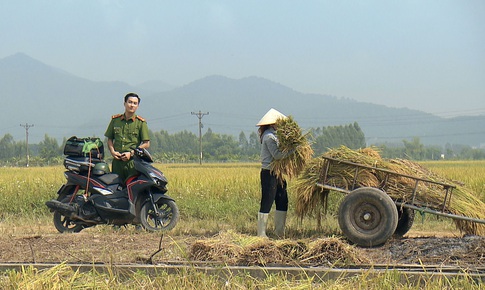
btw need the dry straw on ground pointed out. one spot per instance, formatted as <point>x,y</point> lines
<point>311,197</point>
<point>237,249</point>
<point>291,140</point>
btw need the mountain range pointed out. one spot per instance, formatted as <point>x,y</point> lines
<point>60,104</point>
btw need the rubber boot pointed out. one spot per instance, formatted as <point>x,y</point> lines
<point>262,222</point>
<point>280,223</point>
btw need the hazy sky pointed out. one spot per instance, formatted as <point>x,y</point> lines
<point>426,55</point>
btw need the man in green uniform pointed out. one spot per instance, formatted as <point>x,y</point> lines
<point>124,132</point>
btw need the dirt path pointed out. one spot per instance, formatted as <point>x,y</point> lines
<point>129,246</point>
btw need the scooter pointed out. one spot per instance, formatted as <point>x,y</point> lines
<point>93,195</point>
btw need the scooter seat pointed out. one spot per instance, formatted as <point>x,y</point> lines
<point>110,178</point>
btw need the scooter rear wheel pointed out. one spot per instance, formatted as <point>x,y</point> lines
<point>162,218</point>
<point>63,223</point>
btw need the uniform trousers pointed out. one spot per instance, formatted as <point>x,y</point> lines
<point>125,169</point>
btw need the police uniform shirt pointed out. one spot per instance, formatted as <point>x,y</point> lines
<point>127,133</point>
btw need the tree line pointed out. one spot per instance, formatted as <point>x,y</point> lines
<point>185,146</point>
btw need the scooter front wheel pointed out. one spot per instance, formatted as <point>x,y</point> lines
<point>163,217</point>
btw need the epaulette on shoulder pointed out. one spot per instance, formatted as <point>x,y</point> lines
<point>140,118</point>
<point>116,116</point>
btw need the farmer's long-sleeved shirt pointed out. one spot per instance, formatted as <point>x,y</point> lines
<point>269,149</point>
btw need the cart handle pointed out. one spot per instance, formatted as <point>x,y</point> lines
<point>444,214</point>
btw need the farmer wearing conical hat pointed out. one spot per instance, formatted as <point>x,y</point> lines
<point>272,189</point>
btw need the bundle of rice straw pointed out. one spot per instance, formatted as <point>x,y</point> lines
<point>463,201</point>
<point>310,196</point>
<point>291,139</point>
<point>332,251</point>
<point>232,248</point>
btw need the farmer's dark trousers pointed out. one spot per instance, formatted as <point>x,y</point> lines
<point>272,190</point>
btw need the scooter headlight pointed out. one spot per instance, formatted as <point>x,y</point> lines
<point>157,180</point>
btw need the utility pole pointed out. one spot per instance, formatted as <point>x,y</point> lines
<point>27,126</point>
<point>200,115</point>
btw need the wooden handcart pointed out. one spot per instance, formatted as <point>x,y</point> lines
<point>368,216</point>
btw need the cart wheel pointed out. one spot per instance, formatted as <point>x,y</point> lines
<point>405,221</point>
<point>367,216</point>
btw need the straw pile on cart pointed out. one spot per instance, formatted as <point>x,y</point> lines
<point>311,197</point>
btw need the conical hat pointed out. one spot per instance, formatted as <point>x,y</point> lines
<point>270,117</point>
